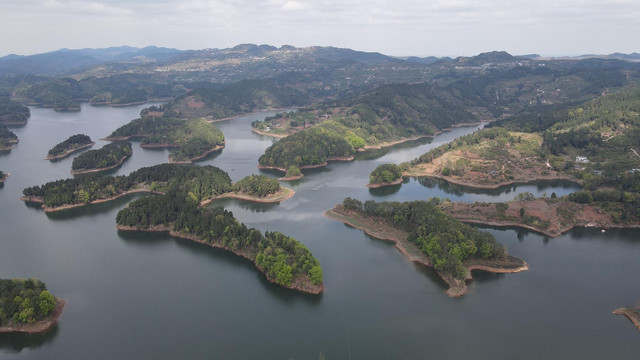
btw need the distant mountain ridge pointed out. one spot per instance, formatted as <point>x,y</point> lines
<point>65,60</point>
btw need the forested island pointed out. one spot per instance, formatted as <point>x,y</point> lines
<point>107,157</point>
<point>7,138</point>
<point>427,235</point>
<point>72,144</point>
<point>306,149</point>
<point>12,112</point>
<point>27,307</point>
<point>201,182</point>
<point>189,140</point>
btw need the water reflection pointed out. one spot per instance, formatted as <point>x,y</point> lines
<point>385,190</point>
<point>16,342</point>
<point>541,187</point>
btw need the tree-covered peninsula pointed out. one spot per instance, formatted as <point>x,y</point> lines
<point>7,138</point>
<point>189,140</point>
<point>425,234</point>
<point>282,259</point>
<point>199,182</point>
<point>12,112</point>
<point>72,144</point>
<point>105,158</point>
<point>26,306</point>
<point>385,115</point>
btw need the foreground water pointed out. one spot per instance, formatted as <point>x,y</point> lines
<point>149,296</point>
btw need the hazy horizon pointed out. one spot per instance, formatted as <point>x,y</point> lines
<point>410,28</point>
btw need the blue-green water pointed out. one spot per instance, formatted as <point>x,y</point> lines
<point>149,296</point>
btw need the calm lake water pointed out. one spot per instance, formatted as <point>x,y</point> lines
<point>150,296</point>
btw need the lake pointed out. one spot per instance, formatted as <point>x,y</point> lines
<point>150,296</point>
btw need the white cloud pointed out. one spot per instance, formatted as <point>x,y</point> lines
<point>400,27</point>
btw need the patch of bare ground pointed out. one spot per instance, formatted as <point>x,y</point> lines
<point>549,217</point>
<point>377,229</point>
<point>633,315</point>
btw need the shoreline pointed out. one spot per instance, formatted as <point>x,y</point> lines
<point>295,285</point>
<point>279,196</point>
<point>552,234</point>
<point>39,326</point>
<point>393,183</point>
<point>69,152</point>
<point>264,133</point>
<point>290,178</point>
<point>494,186</point>
<point>211,120</point>
<point>310,166</point>
<point>457,287</point>
<point>631,314</point>
<point>284,194</point>
<point>83,171</point>
<point>199,157</point>
<point>47,209</point>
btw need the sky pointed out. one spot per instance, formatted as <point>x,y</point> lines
<point>397,28</point>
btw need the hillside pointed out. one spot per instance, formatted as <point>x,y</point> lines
<point>387,113</point>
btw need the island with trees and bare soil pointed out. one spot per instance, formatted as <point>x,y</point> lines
<point>72,144</point>
<point>26,306</point>
<point>429,236</point>
<point>189,140</point>
<point>107,157</point>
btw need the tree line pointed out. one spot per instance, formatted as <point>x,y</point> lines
<point>74,141</point>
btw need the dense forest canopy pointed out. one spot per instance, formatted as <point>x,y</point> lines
<point>7,137</point>
<point>385,173</point>
<point>24,301</point>
<point>109,155</point>
<point>73,142</point>
<point>257,185</point>
<point>447,241</point>
<point>199,182</point>
<point>12,111</point>
<point>310,147</point>
<point>187,138</point>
